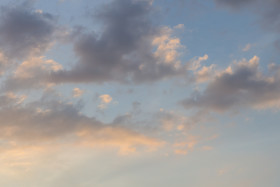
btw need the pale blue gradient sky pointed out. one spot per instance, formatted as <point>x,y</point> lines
<point>193,90</point>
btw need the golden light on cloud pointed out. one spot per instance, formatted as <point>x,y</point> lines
<point>77,92</point>
<point>105,99</point>
<point>125,141</point>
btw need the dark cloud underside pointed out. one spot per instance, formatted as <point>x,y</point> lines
<point>24,31</point>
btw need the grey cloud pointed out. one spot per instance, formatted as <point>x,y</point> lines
<point>24,30</point>
<point>271,15</point>
<point>268,10</point>
<point>3,63</point>
<point>123,51</point>
<point>245,86</point>
<point>51,119</point>
<point>5,100</point>
<point>46,119</point>
<point>235,3</point>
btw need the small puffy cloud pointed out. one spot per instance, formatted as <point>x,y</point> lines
<point>105,99</point>
<point>77,92</point>
<point>247,47</point>
<point>201,73</point>
<point>241,84</point>
<point>39,11</point>
<point>167,48</point>
<point>179,26</point>
<point>195,63</point>
<point>205,74</point>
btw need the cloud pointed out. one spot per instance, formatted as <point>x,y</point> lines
<point>10,97</point>
<point>105,99</point>
<point>3,63</point>
<point>170,121</point>
<point>268,10</point>
<point>200,73</point>
<point>235,3</point>
<point>181,152</point>
<point>179,26</point>
<point>247,47</point>
<point>174,121</point>
<point>24,31</point>
<point>184,147</point>
<point>51,120</point>
<point>129,48</point>
<point>205,74</point>
<point>126,141</point>
<point>167,47</point>
<point>195,63</point>
<point>34,72</point>
<point>240,85</point>
<point>77,92</point>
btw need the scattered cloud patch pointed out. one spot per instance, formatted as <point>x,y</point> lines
<point>105,99</point>
<point>195,63</point>
<point>77,92</point>
<point>248,47</point>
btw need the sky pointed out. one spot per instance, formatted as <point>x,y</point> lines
<point>121,93</point>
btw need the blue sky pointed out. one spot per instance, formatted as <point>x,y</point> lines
<point>139,93</point>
